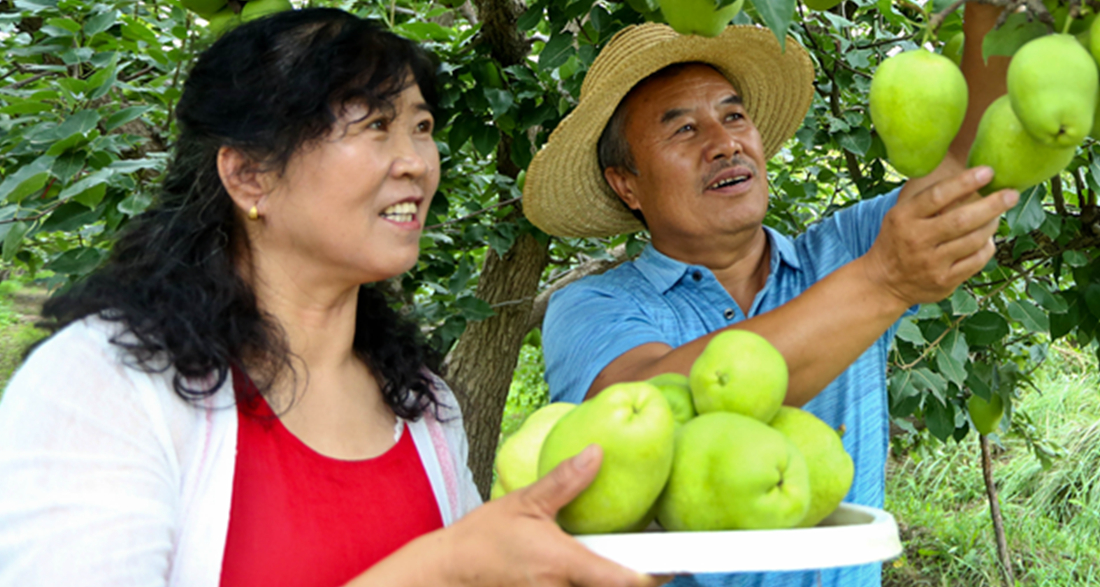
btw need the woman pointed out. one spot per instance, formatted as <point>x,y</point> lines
<point>224,402</point>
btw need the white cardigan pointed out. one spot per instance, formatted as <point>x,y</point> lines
<point>108,477</point>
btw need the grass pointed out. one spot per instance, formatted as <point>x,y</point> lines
<point>1052,515</point>
<point>19,306</point>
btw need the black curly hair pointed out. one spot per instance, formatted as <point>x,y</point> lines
<point>266,88</point>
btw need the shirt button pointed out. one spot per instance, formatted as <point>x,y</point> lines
<point>729,314</point>
<point>697,275</point>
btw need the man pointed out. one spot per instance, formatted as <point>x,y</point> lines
<point>675,132</point>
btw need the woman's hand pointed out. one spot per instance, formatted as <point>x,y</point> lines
<point>512,541</point>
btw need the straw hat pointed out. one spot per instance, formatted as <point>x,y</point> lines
<point>565,192</point>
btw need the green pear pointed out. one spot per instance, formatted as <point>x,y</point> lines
<point>259,8</point>
<point>918,102</point>
<point>1018,160</point>
<point>675,388</point>
<point>733,472</point>
<point>1094,40</point>
<point>699,17</point>
<point>223,20</point>
<point>739,371</point>
<point>1053,84</point>
<point>634,426</point>
<point>953,49</point>
<point>204,8</point>
<point>986,415</point>
<point>517,461</point>
<point>820,4</point>
<point>830,467</point>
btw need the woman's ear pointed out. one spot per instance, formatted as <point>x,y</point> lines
<point>242,180</point>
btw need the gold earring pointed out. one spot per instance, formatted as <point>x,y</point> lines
<point>253,213</point>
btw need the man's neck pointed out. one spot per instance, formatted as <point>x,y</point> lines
<point>740,262</point>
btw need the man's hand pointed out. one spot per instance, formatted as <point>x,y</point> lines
<point>939,237</point>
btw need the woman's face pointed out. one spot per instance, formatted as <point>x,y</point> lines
<point>352,205</point>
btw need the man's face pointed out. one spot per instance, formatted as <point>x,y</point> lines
<point>700,161</point>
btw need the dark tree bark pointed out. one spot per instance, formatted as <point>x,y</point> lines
<point>1003,556</point>
<point>481,365</point>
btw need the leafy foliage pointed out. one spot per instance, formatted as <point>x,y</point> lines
<point>86,99</point>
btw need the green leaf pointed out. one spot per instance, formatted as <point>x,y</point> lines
<point>962,303</point>
<point>980,380</point>
<point>1028,213</point>
<point>424,31</point>
<point>1092,298</point>
<point>134,29</point>
<point>132,165</point>
<point>940,417</point>
<point>601,19</point>
<point>461,277</point>
<point>1029,316</point>
<point>1013,34</point>
<point>1063,324</point>
<point>77,261</point>
<point>1053,302</point>
<point>984,328</point>
<point>777,15</point>
<point>485,139</point>
<point>67,165</point>
<point>461,131</point>
<point>557,51</point>
<point>950,367</point>
<point>69,217</point>
<point>858,140</point>
<point>79,124</point>
<point>13,241</point>
<point>499,101</point>
<point>474,308</point>
<point>26,180</point>
<point>26,107</point>
<point>135,203</point>
<point>532,17</point>
<point>1073,258</point>
<point>925,381</point>
<point>89,190</point>
<point>100,22</point>
<point>909,332</point>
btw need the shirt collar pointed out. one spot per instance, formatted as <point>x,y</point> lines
<point>663,271</point>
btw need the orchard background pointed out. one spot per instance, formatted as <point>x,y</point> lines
<point>87,89</point>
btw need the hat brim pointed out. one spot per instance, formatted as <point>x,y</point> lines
<point>565,192</point>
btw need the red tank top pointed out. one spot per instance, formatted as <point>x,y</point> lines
<point>300,519</point>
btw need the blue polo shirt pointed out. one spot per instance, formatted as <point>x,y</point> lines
<point>658,299</point>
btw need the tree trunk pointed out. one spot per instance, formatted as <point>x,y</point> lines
<point>482,362</point>
<point>481,365</point>
<point>995,512</point>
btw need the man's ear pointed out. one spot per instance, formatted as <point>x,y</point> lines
<point>244,182</point>
<point>622,183</point>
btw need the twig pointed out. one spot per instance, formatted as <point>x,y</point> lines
<point>42,214</point>
<point>1056,192</point>
<point>31,79</point>
<point>136,75</point>
<point>939,17</point>
<point>882,42</point>
<point>479,212</point>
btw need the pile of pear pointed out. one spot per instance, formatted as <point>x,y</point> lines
<point>709,451</point>
<point>221,16</point>
<point>918,100</point>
